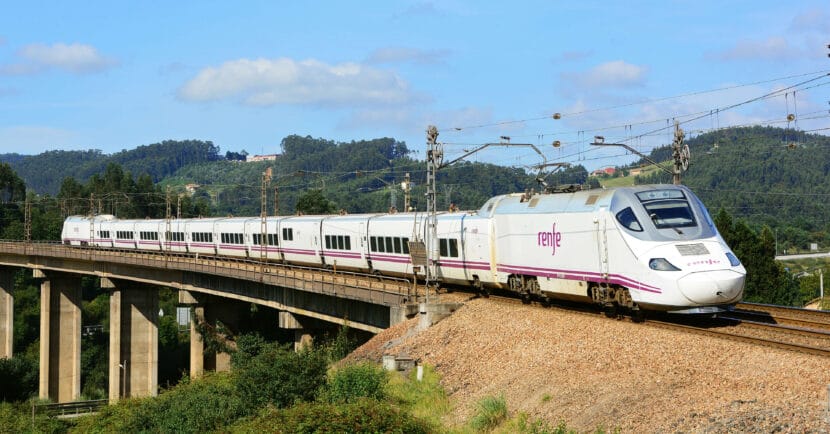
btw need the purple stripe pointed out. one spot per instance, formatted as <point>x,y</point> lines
<point>579,275</point>
<point>299,251</point>
<point>231,247</point>
<point>341,254</point>
<point>392,259</point>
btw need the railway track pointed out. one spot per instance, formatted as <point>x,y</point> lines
<point>791,329</point>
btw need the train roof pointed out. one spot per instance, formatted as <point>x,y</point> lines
<point>575,202</point>
<point>85,218</point>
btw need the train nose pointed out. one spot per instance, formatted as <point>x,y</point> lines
<point>712,287</point>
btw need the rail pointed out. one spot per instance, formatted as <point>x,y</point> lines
<point>71,409</point>
<point>386,290</point>
<point>803,340</point>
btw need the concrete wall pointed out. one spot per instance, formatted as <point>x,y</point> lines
<point>133,339</point>
<point>6,312</point>
<point>60,337</point>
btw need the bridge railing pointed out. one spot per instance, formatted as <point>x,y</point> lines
<point>70,409</point>
<point>388,290</point>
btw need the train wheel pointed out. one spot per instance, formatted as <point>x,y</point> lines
<point>610,310</point>
<point>525,298</point>
<point>638,316</point>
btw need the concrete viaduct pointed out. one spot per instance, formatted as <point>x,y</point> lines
<point>301,295</point>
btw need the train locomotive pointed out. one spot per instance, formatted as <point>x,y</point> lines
<point>648,247</point>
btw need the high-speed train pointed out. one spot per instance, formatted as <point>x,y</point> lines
<point>648,247</point>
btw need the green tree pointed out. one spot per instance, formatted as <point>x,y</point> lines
<point>314,202</point>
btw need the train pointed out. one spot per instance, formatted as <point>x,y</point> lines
<point>634,249</point>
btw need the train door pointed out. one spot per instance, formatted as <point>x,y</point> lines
<point>601,232</point>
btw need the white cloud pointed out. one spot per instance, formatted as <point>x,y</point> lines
<point>774,48</point>
<point>615,74</point>
<point>407,54</point>
<point>75,58</point>
<point>265,82</point>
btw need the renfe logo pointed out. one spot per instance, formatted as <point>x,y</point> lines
<point>550,239</point>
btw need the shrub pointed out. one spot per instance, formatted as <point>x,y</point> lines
<point>18,379</point>
<point>281,377</point>
<point>490,412</point>
<point>17,418</point>
<point>198,406</point>
<point>361,416</point>
<point>352,382</point>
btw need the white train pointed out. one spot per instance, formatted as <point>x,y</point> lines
<point>651,247</point>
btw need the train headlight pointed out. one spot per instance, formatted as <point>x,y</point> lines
<point>660,264</point>
<point>733,260</point>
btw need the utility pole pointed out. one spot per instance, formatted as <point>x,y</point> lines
<point>263,214</point>
<point>435,161</point>
<point>405,186</point>
<point>276,201</point>
<point>28,220</point>
<point>681,154</point>
<point>435,157</point>
<point>91,218</point>
<point>168,229</point>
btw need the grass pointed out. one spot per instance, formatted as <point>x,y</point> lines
<point>424,399</point>
<point>626,181</point>
<point>491,411</point>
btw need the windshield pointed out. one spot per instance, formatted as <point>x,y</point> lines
<point>667,208</point>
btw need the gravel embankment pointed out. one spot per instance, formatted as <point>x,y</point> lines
<point>589,371</point>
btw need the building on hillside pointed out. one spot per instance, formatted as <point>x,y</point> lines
<point>609,171</point>
<point>269,157</point>
<point>635,171</point>
<point>191,188</point>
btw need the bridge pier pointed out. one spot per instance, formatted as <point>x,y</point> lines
<point>60,336</point>
<point>133,363</point>
<point>207,310</point>
<point>6,312</point>
<point>302,335</point>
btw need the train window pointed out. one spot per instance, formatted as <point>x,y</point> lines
<point>389,248</point>
<point>232,238</point>
<point>341,243</point>
<point>373,243</point>
<point>629,221</point>
<point>405,245</point>
<point>397,245</point>
<point>348,243</point>
<point>287,234</point>
<point>174,236</point>
<point>670,214</point>
<point>328,241</point>
<point>271,239</point>
<point>448,247</point>
<point>667,208</point>
<point>202,237</point>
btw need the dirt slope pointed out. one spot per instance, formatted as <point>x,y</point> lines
<point>589,370</point>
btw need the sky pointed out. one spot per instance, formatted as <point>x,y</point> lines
<point>113,75</point>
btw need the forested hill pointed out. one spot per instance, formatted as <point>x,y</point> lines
<point>356,176</point>
<point>765,175</point>
<point>44,173</point>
